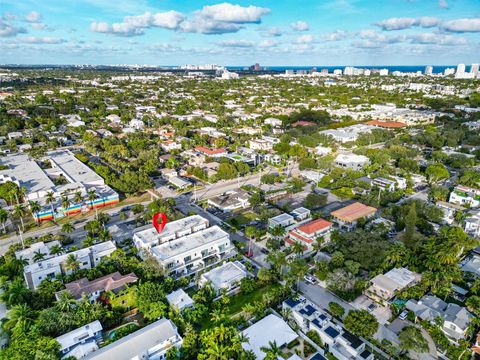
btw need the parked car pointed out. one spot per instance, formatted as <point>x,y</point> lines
<point>371,307</point>
<point>265,251</point>
<point>310,279</point>
<point>403,315</point>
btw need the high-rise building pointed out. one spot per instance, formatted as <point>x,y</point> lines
<point>428,70</point>
<point>256,67</point>
<point>474,69</point>
<point>449,71</point>
<point>460,71</point>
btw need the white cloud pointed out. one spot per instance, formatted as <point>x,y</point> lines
<point>438,39</point>
<point>236,43</point>
<point>300,26</point>
<point>304,39</point>
<point>7,29</point>
<point>337,35</point>
<point>39,40</point>
<point>230,13</point>
<point>274,31</point>
<point>406,23</point>
<point>268,43</point>
<point>442,4</point>
<point>462,25</point>
<point>212,19</point>
<point>33,17</point>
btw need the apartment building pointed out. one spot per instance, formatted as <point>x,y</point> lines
<point>86,258</point>
<point>341,343</point>
<point>185,246</point>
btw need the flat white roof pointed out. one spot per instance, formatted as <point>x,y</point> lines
<point>151,235</point>
<point>189,242</point>
<point>271,328</point>
<point>78,335</point>
<point>137,344</point>
<point>180,299</point>
<point>226,274</point>
<point>23,169</point>
<point>74,168</point>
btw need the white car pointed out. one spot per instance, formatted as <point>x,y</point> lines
<point>403,315</point>
<point>310,279</point>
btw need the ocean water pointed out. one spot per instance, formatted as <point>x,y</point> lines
<point>403,68</point>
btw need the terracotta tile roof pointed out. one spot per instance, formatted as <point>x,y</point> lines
<point>303,123</point>
<point>105,283</point>
<point>210,152</point>
<point>314,226</point>
<point>387,124</point>
<point>296,235</point>
<point>353,212</point>
<point>291,242</point>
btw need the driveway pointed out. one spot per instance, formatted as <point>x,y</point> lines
<point>382,313</point>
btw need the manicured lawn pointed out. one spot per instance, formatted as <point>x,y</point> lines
<point>238,301</point>
<point>243,218</point>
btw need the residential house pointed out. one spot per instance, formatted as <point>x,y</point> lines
<point>351,161</point>
<point>114,282</point>
<point>170,145</point>
<point>308,233</point>
<point>347,217</point>
<point>384,287</point>
<point>151,342</point>
<point>449,211</point>
<point>231,200</point>
<point>472,224</point>
<point>214,153</point>
<point>270,329</point>
<point>465,196</point>
<point>180,300</point>
<point>455,318</point>
<point>80,342</point>
<point>226,277</point>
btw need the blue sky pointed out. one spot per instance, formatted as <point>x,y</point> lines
<point>271,32</point>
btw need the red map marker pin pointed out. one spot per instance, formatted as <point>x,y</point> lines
<point>159,226</point>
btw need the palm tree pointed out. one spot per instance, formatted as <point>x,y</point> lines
<point>248,310</point>
<point>277,231</point>
<point>3,218</point>
<point>35,208</point>
<point>19,212</point>
<point>38,256</point>
<point>91,196</point>
<point>272,351</point>
<point>56,250</point>
<point>298,249</point>
<point>68,228</point>
<point>317,245</point>
<point>66,204</point>
<point>20,320</point>
<point>50,199</point>
<point>250,232</point>
<point>277,260</point>
<point>105,235</point>
<point>65,302</point>
<point>217,315</point>
<point>72,263</point>
<point>89,241</point>
<point>78,197</point>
